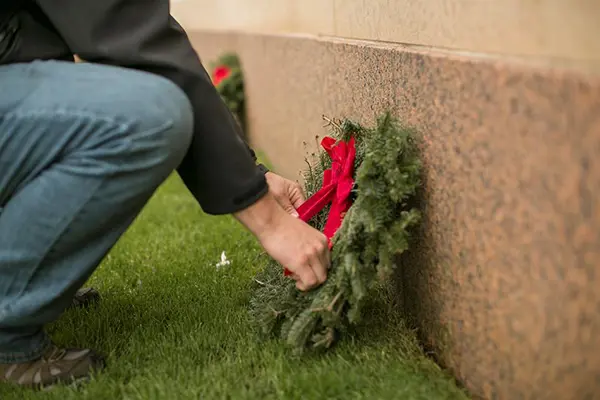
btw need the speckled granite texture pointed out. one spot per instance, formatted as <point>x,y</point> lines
<point>505,281</point>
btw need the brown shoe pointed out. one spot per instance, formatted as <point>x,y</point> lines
<point>85,297</point>
<point>55,366</point>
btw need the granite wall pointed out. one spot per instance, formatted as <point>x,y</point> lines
<point>503,283</point>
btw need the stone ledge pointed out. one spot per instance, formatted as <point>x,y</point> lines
<point>503,284</point>
<point>547,29</point>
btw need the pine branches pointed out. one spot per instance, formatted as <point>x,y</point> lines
<point>375,230</point>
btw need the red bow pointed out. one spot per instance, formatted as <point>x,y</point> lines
<point>336,188</point>
<point>220,73</point>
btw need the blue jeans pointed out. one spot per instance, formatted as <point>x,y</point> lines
<point>82,149</point>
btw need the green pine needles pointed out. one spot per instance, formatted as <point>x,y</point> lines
<point>374,232</point>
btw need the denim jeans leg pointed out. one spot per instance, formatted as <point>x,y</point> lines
<point>82,149</point>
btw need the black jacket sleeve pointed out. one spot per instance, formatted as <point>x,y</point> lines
<point>219,168</point>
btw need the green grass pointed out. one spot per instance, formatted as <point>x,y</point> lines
<point>176,327</point>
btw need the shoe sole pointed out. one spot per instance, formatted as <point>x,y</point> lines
<point>71,383</point>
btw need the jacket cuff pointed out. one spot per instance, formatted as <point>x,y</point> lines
<point>262,168</point>
<point>245,200</point>
<point>251,197</point>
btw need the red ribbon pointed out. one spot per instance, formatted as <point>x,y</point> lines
<point>336,188</point>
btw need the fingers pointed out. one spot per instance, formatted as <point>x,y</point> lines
<point>286,203</point>
<point>294,199</point>
<point>320,270</point>
<point>321,259</point>
<point>307,276</point>
<point>314,270</point>
<point>326,253</point>
<point>290,209</point>
<point>302,250</point>
<point>288,193</point>
<point>296,195</point>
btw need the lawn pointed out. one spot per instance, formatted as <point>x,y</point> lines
<point>174,326</point>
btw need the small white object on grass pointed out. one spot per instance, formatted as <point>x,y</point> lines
<point>224,261</point>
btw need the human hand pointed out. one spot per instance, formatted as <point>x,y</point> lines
<point>287,193</point>
<point>296,245</point>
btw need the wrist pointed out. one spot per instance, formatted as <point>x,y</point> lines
<point>261,216</point>
<point>262,168</point>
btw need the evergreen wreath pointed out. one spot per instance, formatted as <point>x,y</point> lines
<point>374,231</point>
<point>226,74</point>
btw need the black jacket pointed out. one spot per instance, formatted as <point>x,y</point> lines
<point>219,169</point>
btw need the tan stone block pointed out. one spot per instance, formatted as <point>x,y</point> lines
<point>553,28</point>
<point>313,16</point>
<point>550,29</point>
<point>255,16</point>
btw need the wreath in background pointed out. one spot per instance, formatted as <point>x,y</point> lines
<point>227,76</point>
